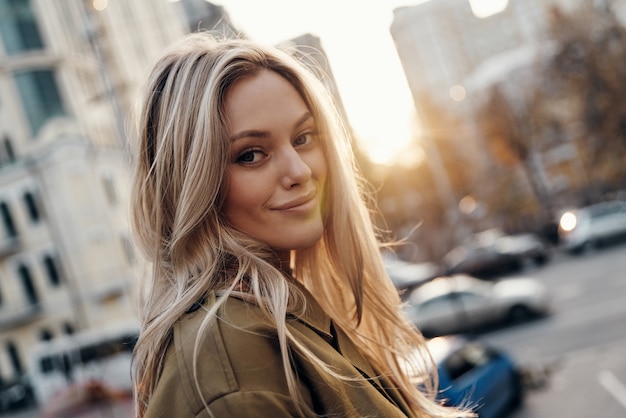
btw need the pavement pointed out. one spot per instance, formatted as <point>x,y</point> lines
<point>117,409</point>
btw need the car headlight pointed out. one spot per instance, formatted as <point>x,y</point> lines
<point>568,221</point>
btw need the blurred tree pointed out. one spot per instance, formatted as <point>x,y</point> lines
<point>411,210</point>
<point>510,126</point>
<point>589,63</point>
<point>571,97</point>
<point>420,203</point>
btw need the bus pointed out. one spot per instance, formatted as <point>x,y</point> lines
<point>98,356</point>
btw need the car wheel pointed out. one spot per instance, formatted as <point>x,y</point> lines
<point>516,265</point>
<point>582,248</point>
<point>427,333</point>
<point>518,396</point>
<point>519,313</point>
<point>540,259</point>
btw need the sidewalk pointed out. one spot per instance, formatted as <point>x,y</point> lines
<point>121,409</point>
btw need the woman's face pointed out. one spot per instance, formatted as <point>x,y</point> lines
<point>277,167</point>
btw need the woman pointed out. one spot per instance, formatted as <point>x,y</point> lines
<point>267,295</point>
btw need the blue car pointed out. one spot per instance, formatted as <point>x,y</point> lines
<point>475,374</point>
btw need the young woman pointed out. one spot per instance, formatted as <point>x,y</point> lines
<point>267,295</point>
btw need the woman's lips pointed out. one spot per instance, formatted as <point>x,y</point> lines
<point>300,203</point>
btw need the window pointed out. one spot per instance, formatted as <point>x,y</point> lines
<point>27,282</point>
<point>40,97</point>
<point>9,153</point>
<point>436,304</point>
<point>467,358</point>
<point>52,269</point>
<point>46,335</point>
<point>68,328</point>
<point>18,26</point>
<point>7,220</point>
<point>32,207</point>
<point>128,250</point>
<point>16,361</point>
<point>109,189</point>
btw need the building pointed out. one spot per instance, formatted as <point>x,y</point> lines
<point>441,43</point>
<point>68,72</point>
<point>308,49</point>
<point>451,58</point>
<point>202,15</point>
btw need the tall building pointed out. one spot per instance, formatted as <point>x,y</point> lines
<point>202,15</point>
<point>451,58</point>
<point>69,70</point>
<point>308,49</point>
<point>441,43</point>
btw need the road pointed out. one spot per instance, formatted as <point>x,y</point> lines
<point>582,343</point>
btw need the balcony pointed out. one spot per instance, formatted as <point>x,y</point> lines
<point>9,245</point>
<point>15,317</point>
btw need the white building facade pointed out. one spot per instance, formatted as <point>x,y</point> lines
<point>68,76</point>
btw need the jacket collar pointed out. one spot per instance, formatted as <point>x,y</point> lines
<point>313,316</point>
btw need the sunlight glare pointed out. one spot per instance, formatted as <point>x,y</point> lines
<point>486,8</point>
<point>374,92</point>
<point>386,140</point>
<point>458,93</point>
<point>100,5</point>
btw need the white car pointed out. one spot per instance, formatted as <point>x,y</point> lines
<point>465,304</point>
<point>592,225</point>
<point>407,276</point>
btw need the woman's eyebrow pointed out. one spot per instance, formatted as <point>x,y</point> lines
<point>248,133</point>
<point>255,133</point>
<point>303,119</point>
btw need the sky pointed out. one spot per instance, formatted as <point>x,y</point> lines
<point>356,38</point>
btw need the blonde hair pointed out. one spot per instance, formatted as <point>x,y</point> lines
<point>180,159</point>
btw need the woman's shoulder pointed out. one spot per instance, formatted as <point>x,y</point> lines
<point>234,311</point>
<point>234,353</point>
<point>237,325</point>
<point>240,317</point>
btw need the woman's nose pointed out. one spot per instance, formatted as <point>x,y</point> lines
<point>294,168</point>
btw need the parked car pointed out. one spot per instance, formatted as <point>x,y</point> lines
<point>17,394</point>
<point>407,276</point>
<point>474,374</point>
<point>526,247</point>
<point>491,253</point>
<point>462,303</point>
<point>592,225</point>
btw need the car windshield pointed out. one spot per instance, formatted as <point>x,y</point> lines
<point>444,286</point>
<point>606,209</point>
<point>466,358</point>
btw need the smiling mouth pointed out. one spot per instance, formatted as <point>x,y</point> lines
<point>299,203</point>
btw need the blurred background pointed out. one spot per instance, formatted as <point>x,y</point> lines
<point>493,133</point>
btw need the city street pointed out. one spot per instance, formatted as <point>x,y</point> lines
<point>582,343</point>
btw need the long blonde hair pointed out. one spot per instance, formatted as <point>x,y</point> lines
<point>180,158</point>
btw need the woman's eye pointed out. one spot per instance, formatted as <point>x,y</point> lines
<point>248,157</point>
<point>303,139</point>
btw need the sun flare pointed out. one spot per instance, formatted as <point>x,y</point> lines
<point>486,8</point>
<point>387,140</point>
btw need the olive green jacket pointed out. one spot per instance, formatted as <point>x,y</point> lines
<point>240,372</point>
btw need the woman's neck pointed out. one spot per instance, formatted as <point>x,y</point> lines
<point>283,261</point>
